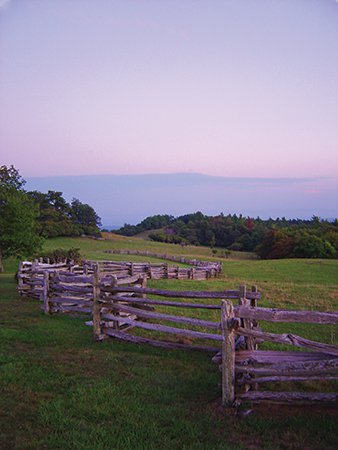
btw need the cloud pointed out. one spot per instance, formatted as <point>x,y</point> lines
<point>4,4</point>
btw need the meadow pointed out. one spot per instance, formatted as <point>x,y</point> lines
<point>60,389</point>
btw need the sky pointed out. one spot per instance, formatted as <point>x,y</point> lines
<point>226,88</point>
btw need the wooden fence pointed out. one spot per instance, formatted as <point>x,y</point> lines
<point>181,259</point>
<point>69,293</point>
<point>30,274</point>
<point>244,371</point>
<point>119,304</point>
<point>156,271</point>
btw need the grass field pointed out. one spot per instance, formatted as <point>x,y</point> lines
<point>61,390</point>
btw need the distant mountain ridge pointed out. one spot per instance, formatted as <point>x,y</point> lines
<point>130,198</point>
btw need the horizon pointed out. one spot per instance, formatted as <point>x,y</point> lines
<point>118,199</point>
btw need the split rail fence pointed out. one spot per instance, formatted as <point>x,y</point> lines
<point>30,274</point>
<point>118,306</point>
<point>181,259</point>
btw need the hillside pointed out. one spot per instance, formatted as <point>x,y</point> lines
<point>269,239</point>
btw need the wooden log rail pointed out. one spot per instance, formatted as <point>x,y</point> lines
<point>160,316</point>
<point>281,315</point>
<point>229,294</point>
<point>290,339</point>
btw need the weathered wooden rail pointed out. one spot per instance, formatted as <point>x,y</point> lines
<point>126,309</point>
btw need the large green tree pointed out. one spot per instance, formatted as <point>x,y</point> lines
<point>18,226</point>
<point>54,214</point>
<point>85,217</point>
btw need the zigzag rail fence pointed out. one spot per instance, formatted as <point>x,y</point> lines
<point>122,307</point>
<point>165,256</point>
<point>30,274</point>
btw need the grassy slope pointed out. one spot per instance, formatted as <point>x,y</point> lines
<point>62,390</point>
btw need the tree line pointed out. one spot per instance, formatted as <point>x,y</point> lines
<point>27,217</point>
<point>270,239</point>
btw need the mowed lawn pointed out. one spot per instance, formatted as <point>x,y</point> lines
<point>61,390</point>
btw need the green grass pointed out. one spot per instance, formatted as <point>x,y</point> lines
<point>61,390</point>
<point>94,249</point>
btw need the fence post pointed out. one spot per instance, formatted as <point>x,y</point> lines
<point>144,285</point>
<point>254,323</point>
<point>116,325</point>
<point>242,294</point>
<point>253,302</point>
<point>96,304</point>
<point>20,279</point>
<point>45,293</point>
<point>150,272</point>
<point>228,325</point>
<point>246,323</point>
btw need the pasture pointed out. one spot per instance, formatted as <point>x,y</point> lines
<point>60,389</point>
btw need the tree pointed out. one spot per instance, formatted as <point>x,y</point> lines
<point>276,244</point>
<point>310,246</point>
<point>10,179</point>
<point>55,214</point>
<point>85,217</point>
<point>18,226</point>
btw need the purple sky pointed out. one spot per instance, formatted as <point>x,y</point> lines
<point>240,88</point>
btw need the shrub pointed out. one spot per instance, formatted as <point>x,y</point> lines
<point>60,254</point>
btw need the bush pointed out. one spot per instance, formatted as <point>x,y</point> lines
<point>60,255</point>
<point>310,246</point>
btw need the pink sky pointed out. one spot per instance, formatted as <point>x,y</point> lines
<point>228,88</point>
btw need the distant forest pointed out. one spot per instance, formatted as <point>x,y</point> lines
<point>270,239</point>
